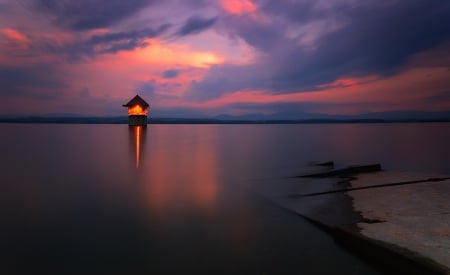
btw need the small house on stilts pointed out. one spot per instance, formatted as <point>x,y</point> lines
<point>137,111</point>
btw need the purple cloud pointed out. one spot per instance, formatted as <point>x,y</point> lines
<point>374,38</point>
<point>21,81</point>
<point>88,14</point>
<point>196,25</point>
<point>171,73</point>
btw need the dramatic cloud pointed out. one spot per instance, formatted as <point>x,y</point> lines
<point>113,42</point>
<point>14,35</point>
<point>238,6</point>
<point>196,25</point>
<point>88,14</point>
<point>224,57</point>
<point>376,40</point>
<point>373,39</point>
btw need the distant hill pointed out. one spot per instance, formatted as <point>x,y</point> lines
<point>384,116</point>
<point>281,117</point>
<point>408,115</point>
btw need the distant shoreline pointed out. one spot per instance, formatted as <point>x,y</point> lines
<point>124,120</point>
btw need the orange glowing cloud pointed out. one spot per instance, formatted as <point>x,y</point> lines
<point>159,53</point>
<point>13,44</point>
<point>16,50</point>
<point>14,35</point>
<point>405,91</point>
<point>239,7</point>
<point>344,82</point>
<point>119,76</point>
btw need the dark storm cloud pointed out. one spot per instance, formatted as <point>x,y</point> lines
<point>296,11</point>
<point>266,37</point>
<point>23,81</point>
<point>377,40</point>
<point>196,4</point>
<point>112,42</point>
<point>374,38</point>
<point>196,25</point>
<point>170,73</point>
<point>88,14</point>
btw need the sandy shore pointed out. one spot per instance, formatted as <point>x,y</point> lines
<point>412,216</point>
<point>398,219</point>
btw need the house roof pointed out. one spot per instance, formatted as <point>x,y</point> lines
<point>137,100</point>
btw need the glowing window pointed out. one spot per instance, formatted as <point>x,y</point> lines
<point>137,110</point>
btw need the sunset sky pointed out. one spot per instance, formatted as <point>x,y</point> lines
<point>235,57</point>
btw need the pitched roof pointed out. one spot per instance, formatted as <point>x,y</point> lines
<point>135,101</point>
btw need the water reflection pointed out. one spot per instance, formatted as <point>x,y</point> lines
<point>177,175</point>
<point>137,137</point>
<point>174,200</point>
<point>180,176</point>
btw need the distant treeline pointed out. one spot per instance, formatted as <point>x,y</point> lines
<point>124,120</point>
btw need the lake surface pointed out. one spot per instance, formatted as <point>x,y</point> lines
<point>178,199</point>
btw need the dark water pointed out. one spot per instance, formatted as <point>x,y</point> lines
<point>176,199</point>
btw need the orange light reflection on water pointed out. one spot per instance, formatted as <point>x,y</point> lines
<point>138,136</point>
<point>181,176</point>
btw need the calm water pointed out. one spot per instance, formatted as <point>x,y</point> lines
<point>106,199</point>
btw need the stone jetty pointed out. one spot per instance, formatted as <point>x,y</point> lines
<point>399,221</point>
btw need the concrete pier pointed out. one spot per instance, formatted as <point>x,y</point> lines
<point>393,217</point>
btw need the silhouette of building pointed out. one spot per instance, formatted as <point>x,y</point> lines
<point>137,111</point>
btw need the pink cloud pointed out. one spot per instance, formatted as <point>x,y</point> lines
<point>15,35</point>
<point>91,81</point>
<point>409,90</point>
<point>239,7</point>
